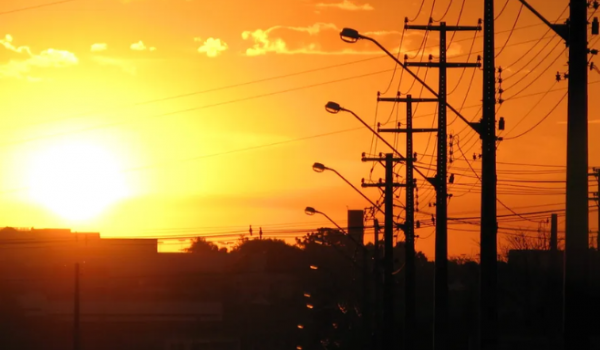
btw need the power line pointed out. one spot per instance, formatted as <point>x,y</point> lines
<point>36,7</point>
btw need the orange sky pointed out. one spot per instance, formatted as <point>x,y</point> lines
<point>175,93</point>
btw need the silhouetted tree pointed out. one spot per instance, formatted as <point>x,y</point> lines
<point>201,245</point>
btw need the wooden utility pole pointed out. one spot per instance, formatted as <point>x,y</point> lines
<point>440,326</point>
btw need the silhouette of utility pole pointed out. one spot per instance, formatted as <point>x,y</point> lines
<point>576,279</point>
<point>440,327</point>
<point>410,313</point>
<point>488,301</point>
<point>596,198</point>
<point>76,330</point>
<point>376,341</point>
<point>388,254</point>
<point>554,234</point>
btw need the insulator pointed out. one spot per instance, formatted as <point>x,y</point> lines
<point>430,57</point>
<point>566,75</point>
<point>430,20</point>
<point>405,57</point>
<point>595,26</point>
<point>418,224</point>
<point>474,156</point>
<point>500,70</point>
<point>415,156</point>
<point>405,20</point>
<point>557,76</point>
<point>501,123</point>
<point>451,180</point>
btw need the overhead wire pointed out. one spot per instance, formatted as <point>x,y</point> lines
<point>27,8</point>
<point>498,53</point>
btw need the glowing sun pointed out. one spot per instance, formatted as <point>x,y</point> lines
<point>76,181</point>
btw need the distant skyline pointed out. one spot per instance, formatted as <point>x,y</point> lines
<point>170,118</point>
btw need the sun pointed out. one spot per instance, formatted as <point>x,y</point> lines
<point>76,180</point>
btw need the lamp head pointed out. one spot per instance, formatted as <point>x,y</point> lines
<point>319,168</point>
<point>310,211</point>
<point>333,107</point>
<point>349,35</point>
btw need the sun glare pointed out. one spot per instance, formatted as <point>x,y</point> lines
<point>76,181</point>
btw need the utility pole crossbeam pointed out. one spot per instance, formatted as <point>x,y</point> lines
<point>488,286</point>
<point>441,312</point>
<point>388,257</point>
<point>410,313</point>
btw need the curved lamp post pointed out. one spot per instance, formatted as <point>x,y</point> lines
<point>319,168</point>
<point>333,108</point>
<point>350,35</point>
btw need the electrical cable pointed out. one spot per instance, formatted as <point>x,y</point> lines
<point>35,7</point>
<point>510,33</point>
<point>539,122</point>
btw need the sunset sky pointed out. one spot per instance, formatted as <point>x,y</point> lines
<point>169,118</point>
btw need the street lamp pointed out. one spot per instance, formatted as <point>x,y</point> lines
<point>350,35</point>
<point>334,108</point>
<point>312,211</point>
<point>319,168</point>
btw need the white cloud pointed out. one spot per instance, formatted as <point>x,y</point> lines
<point>99,47</point>
<point>140,46</point>
<point>212,47</point>
<point>264,42</point>
<point>347,5</point>
<point>50,58</point>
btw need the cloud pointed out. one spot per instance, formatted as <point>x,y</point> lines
<point>212,47</point>
<point>20,68</point>
<point>264,41</point>
<point>99,47</point>
<point>347,5</point>
<point>124,65</point>
<point>140,46</point>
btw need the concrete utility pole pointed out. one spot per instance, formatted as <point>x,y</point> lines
<point>376,341</point>
<point>488,307</point>
<point>576,290</point>
<point>596,198</point>
<point>440,327</point>
<point>410,313</point>
<point>554,233</point>
<point>76,330</point>
<point>388,257</point>
<point>576,279</point>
